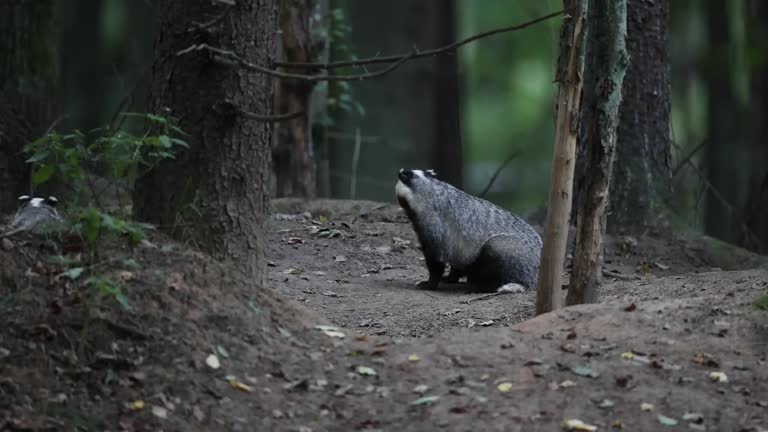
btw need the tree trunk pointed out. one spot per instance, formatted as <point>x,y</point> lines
<point>217,192</point>
<point>642,172</point>
<point>608,61</point>
<point>756,213</point>
<point>28,83</point>
<point>447,149</point>
<point>720,217</point>
<point>569,72</point>
<point>293,152</point>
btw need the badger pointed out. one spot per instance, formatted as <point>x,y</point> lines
<point>37,215</point>
<point>494,249</point>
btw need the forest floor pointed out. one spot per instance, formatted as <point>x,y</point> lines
<point>343,340</point>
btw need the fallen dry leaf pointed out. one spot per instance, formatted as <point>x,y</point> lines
<point>505,387</point>
<point>720,377</point>
<point>578,425</point>
<point>213,362</point>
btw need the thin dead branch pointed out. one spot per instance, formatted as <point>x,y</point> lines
<point>432,52</point>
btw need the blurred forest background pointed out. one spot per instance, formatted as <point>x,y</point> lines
<point>94,58</point>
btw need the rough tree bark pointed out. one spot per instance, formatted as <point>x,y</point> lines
<point>224,175</point>
<point>641,173</point>
<point>28,81</point>
<point>756,213</point>
<point>569,72</point>
<point>607,59</point>
<point>293,152</point>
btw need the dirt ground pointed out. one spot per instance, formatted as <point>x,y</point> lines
<point>342,340</point>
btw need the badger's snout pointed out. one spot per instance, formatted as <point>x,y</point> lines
<point>404,175</point>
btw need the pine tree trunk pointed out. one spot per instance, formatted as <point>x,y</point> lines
<point>608,61</point>
<point>28,84</point>
<point>569,72</point>
<point>217,192</point>
<point>447,152</point>
<point>293,152</point>
<point>642,173</point>
<point>756,213</point>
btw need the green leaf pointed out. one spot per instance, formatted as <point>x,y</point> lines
<point>666,421</point>
<point>73,273</point>
<point>165,141</point>
<point>123,301</point>
<point>425,400</point>
<point>222,352</point>
<point>762,304</point>
<point>43,174</point>
<point>365,370</point>
<point>585,372</point>
<point>37,157</point>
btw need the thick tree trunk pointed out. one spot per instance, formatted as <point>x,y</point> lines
<point>608,61</point>
<point>217,192</point>
<point>569,72</point>
<point>447,149</point>
<point>721,218</point>
<point>642,172</point>
<point>756,213</point>
<point>28,81</point>
<point>293,152</point>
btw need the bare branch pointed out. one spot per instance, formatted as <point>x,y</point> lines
<point>687,159</point>
<point>196,26</point>
<point>487,188</point>
<point>271,118</point>
<point>428,53</point>
<point>225,54</point>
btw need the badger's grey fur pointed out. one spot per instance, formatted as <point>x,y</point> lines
<point>493,248</point>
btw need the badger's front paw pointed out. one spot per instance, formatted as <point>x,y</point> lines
<point>426,285</point>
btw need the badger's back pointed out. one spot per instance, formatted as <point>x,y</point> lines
<point>453,226</point>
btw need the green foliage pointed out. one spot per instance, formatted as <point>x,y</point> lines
<point>113,154</point>
<point>106,286</point>
<point>762,304</point>
<point>90,164</point>
<point>335,29</point>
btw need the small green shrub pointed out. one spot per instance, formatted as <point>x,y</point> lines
<point>92,165</point>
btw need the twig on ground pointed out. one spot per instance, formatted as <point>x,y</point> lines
<point>483,297</point>
<point>621,276</point>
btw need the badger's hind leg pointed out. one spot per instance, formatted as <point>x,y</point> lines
<point>503,265</point>
<point>453,276</point>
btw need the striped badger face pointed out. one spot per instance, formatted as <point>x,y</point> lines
<point>409,184</point>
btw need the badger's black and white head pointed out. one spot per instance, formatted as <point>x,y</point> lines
<point>33,211</point>
<point>410,184</point>
<point>28,201</point>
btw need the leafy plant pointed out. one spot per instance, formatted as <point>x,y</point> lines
<point>762,304</point>
<point>96,164</point>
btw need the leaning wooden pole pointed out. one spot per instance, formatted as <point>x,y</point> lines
<point>607,64</point>
<point>569,72</point>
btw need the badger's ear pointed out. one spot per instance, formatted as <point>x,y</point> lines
<point>24,198</point>
<point>52,201</point>
<point>431,173</point>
